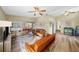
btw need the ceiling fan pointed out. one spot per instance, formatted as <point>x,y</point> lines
<point>68,12</point>
<point>37,10</point>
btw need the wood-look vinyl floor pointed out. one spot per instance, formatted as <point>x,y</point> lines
<point>65,43</point>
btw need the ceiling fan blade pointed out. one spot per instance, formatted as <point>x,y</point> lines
<point>36,8</point>
<point>43,10</point>
<point>31,11</point>
<point>41,14</point>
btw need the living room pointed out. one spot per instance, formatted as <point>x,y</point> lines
<point>34,28</point>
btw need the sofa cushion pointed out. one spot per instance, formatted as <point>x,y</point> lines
<point>36,38</point>
<point>29,47</point>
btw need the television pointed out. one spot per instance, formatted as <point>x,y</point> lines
<point>68,31</point>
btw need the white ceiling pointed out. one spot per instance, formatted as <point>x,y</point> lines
<point>23,10</point>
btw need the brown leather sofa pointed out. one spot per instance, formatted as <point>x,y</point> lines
<point>40,45</point>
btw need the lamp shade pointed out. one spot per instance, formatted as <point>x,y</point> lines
<point>5,23</point>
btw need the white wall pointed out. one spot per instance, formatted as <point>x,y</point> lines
<point>47,23</point>
<point>2,15</point>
